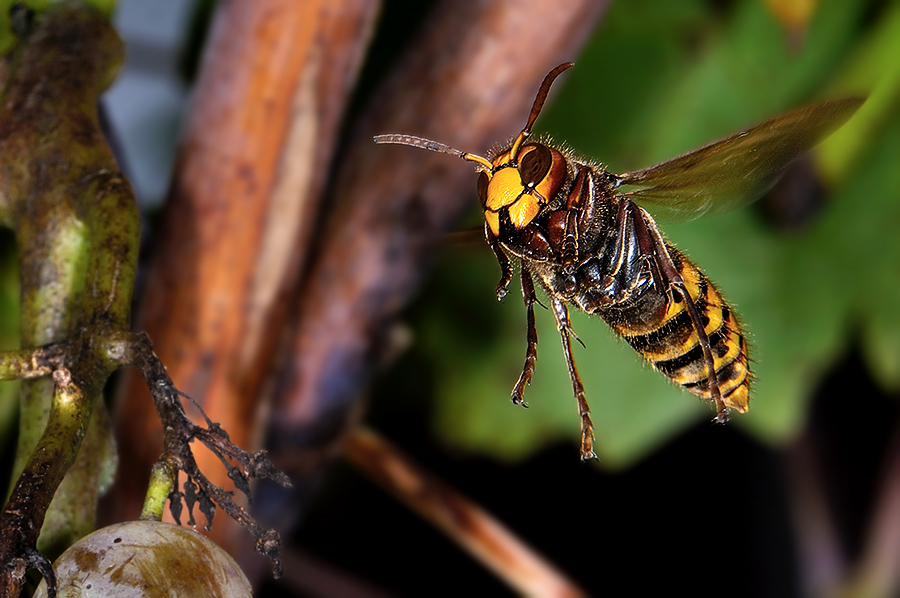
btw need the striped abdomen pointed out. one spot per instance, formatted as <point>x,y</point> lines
<point>660,329</point>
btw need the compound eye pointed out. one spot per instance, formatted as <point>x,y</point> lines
<point>482,188</point>
<point>535,165</point>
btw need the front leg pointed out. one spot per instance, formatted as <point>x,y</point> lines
<point>529,297</point>
<point>584,410</point>
<point>502,260</point>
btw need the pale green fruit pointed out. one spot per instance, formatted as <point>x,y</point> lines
<point>146,559</point>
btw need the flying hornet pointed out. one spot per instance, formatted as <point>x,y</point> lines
<point>583,232</point>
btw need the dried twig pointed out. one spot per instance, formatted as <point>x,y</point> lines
<point>180,431</point>
<point>464,522</point>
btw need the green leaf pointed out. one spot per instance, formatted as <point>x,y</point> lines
<point>864,223</point>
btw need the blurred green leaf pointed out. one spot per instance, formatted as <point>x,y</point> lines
<point>863,224</point>
<point>873,70</point>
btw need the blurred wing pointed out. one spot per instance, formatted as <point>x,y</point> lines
<point>739,169</point>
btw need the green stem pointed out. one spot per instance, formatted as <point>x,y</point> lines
<point>30,363</point>
<point>78,230</point>
<point>162,482</point>
<point>77,227</point>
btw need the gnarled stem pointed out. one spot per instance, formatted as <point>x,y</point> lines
<point>77,227</point>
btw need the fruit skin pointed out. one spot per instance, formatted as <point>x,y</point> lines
<point>146,559</point>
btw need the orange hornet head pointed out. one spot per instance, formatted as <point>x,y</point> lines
<point>516,185</point>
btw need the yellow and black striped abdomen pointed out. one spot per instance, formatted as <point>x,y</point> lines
<point>660,329</point>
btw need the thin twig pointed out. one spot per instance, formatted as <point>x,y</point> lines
<point>465,523</point>
<point>180,432</point>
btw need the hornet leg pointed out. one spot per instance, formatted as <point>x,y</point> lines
<point>531,350</point>
<point>584,411</point>
<point>502,260</point>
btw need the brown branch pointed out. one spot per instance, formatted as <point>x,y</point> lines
<point>464,522</point>
<point>243,205</point>
<point>468,79</point>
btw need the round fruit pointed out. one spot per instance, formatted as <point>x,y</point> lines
<point>146,559</point>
